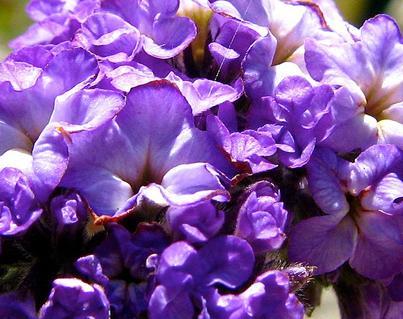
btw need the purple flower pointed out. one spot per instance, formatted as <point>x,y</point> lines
<point>196,223</point>
<point>27,141</point>
<point>262,219</point>
<point>16,306</point>
<point>201,94</point>
<point>56,21</point>
<point>368,70</point>
<point>147,152</point>
<point>72,298</point>
<point>184,274</point>
<point>248,150</point>
<point>363,221</point>
<point>231,41</point>
<point>122,258</point>
<point>299,116</point>
<point>164,33</point>
<point>268,297</point>
<point>19,208</point>
<point>109,37</point>
<point>69,214</point>
<point>90,267</point>
<point>367,299</point>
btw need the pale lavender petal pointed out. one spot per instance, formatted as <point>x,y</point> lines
<point>170,36</point>
<point>109,36</point>
<point>50,159</point>
<point>365,134</point>
<point>372,165</point>
<point>386,195</point>
<point>86,109</point>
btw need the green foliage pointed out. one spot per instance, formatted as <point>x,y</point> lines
<point>13,20</point>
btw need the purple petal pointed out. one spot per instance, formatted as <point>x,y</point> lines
<point>90,267</point>
<point>109,36</point>
<point>204,94</point>
<point>382,43</point>
<point>205,184</point>
<point>86,109</point>
<point>164,304</point>
<point>71,298</point>
<point>170,36</point>
<point>50,159</point>
<point>324,183</point>
<point>386,195</point>
<point>325,241</point>
<point>372,165</point>
<point>261,222</point>
<point>19,208</point>
<point>379,250</point>
<point>228,260</point>
<point>197,223</point>
<point>390,132</point>
<point>14,306</point>
<point>365,134</point>
<point>255,65</point>
<point>20,75</point>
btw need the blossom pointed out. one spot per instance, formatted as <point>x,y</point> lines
<point>19,207</point>
<point>56,21</point>
<point>164,33</point>
<point>367,73</point>
<point>71,297</point>
<point>299,116</point>
<point>196,223</point>
<point>200,159</point>
<point>268,297</point>
<point>152,148</point>
<point>17,306</point>
<point>262,218</point>
<point>120,261</point>
<point>362,222</point>
<point>225,260</point>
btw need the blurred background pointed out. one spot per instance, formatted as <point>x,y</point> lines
<point>13,21</point>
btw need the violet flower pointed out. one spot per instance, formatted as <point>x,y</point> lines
<point>368,70</point>
<point>72,298</point>
<point>262,219</point>
<point>363,214</point>
<point>153,149</point>
<point>299,117</point>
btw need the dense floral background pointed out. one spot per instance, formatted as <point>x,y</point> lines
<point>200,159</point>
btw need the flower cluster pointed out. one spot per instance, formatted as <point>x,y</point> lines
<point>216,159</point>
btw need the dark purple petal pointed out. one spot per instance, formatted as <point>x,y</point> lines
<point>379,250</point>
<point>227,260</point>
<point>170,306</point>
<point>325,242</point>
<point>19,208</point>
<point>90,267</point>
<point>72,298</point>
<point>196,223</point>
<point>15,306</point>
<point>261,222</point>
